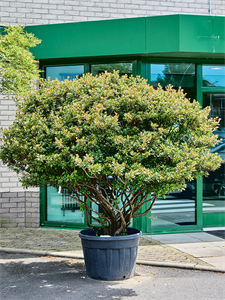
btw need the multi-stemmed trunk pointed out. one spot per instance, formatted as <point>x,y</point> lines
<point>116,208</point>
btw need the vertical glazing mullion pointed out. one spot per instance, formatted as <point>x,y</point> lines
<point>148,72</point>
<point>87,68</point>
<point>199,181</point>
<point>43,208</point>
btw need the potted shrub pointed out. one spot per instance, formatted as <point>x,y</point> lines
<point>119,143</point>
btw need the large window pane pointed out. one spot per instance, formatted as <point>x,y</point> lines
<point>62,208</point>
<point>213,76</point>
<point>214,184</point>
<point>176,74</point>
<point>123,68</point>
<point>177,209</point>
<point>64,72</point>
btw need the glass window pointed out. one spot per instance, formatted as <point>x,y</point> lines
<point>179,208</point>
<point>124,68</point>
<point>214,184</point>
<point>64,72</point>
<point>62,208</point>
<point>176,74</point>
<point>213,76</point>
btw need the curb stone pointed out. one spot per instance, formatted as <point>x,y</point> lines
<point>140,262</point>
<point>180,266</point>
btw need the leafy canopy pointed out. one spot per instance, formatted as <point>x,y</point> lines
<point>119,141</point>
<point>18,68</point>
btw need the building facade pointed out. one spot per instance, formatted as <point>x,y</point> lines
<point>156,47</point>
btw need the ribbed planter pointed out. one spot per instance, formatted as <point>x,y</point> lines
<point>110,258</point>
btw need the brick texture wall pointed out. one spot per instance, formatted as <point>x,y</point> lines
<point>17,206</point>
<point>19,209</point>
<point>60,11</point>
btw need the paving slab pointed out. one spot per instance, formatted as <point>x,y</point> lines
<point>178,238</point>
<point>202,245</point>
<point>219,243</point>
<point>204,252</point>
<point>218,262</point>
<point>203,236</point>
<point>185,246</point>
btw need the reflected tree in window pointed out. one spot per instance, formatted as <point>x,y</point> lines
<point>123,68</point>
<point>178,75</point>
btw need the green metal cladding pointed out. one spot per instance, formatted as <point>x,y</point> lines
<point>191,35</point>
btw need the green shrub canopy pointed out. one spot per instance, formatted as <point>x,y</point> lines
<point>18,68</point>
<point>117,140</point>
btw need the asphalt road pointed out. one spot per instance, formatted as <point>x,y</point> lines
<point>49,278</point>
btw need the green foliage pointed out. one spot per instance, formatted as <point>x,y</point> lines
<point>18,68</point>
<point>123,68</point>
<point>108,138</point>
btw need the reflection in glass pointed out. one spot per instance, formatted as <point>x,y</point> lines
<point>64,72</point>
<point>62,208</point>
<point>214,184</point>
<point>213,76</point>
<point>176,74</point>
<point>177,209</point>
<point>124,68</point>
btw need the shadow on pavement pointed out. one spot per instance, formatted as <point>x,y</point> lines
<point>218,233</point>
<point>30,277</point>
<point>27,277</point>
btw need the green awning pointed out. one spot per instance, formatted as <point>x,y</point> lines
<point>159,36</point>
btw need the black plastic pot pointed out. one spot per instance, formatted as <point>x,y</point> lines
<point>110,258</point>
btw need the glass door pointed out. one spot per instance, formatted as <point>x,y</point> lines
<point>178,209</point>
<point>214,184</point>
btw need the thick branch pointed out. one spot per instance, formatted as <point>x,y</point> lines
<point>147,210</point>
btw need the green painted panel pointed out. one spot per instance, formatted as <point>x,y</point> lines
<point>211,220</point>
<point>189,34</point>
<point>162,34</point>
<point>203,34</point>
<point>96,38</point>
<point>219,35</point>
<point>196,33</point>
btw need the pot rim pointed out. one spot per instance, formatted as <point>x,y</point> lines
<point>131,236</point>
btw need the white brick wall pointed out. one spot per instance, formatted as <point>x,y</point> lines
<point>8,180</point>
<point>18,207</point>
<point>60,11</point>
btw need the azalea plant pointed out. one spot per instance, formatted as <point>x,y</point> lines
<point>110,142</point>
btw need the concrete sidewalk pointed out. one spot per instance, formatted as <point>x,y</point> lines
<point>189,250</point>
<point>204,246</point>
